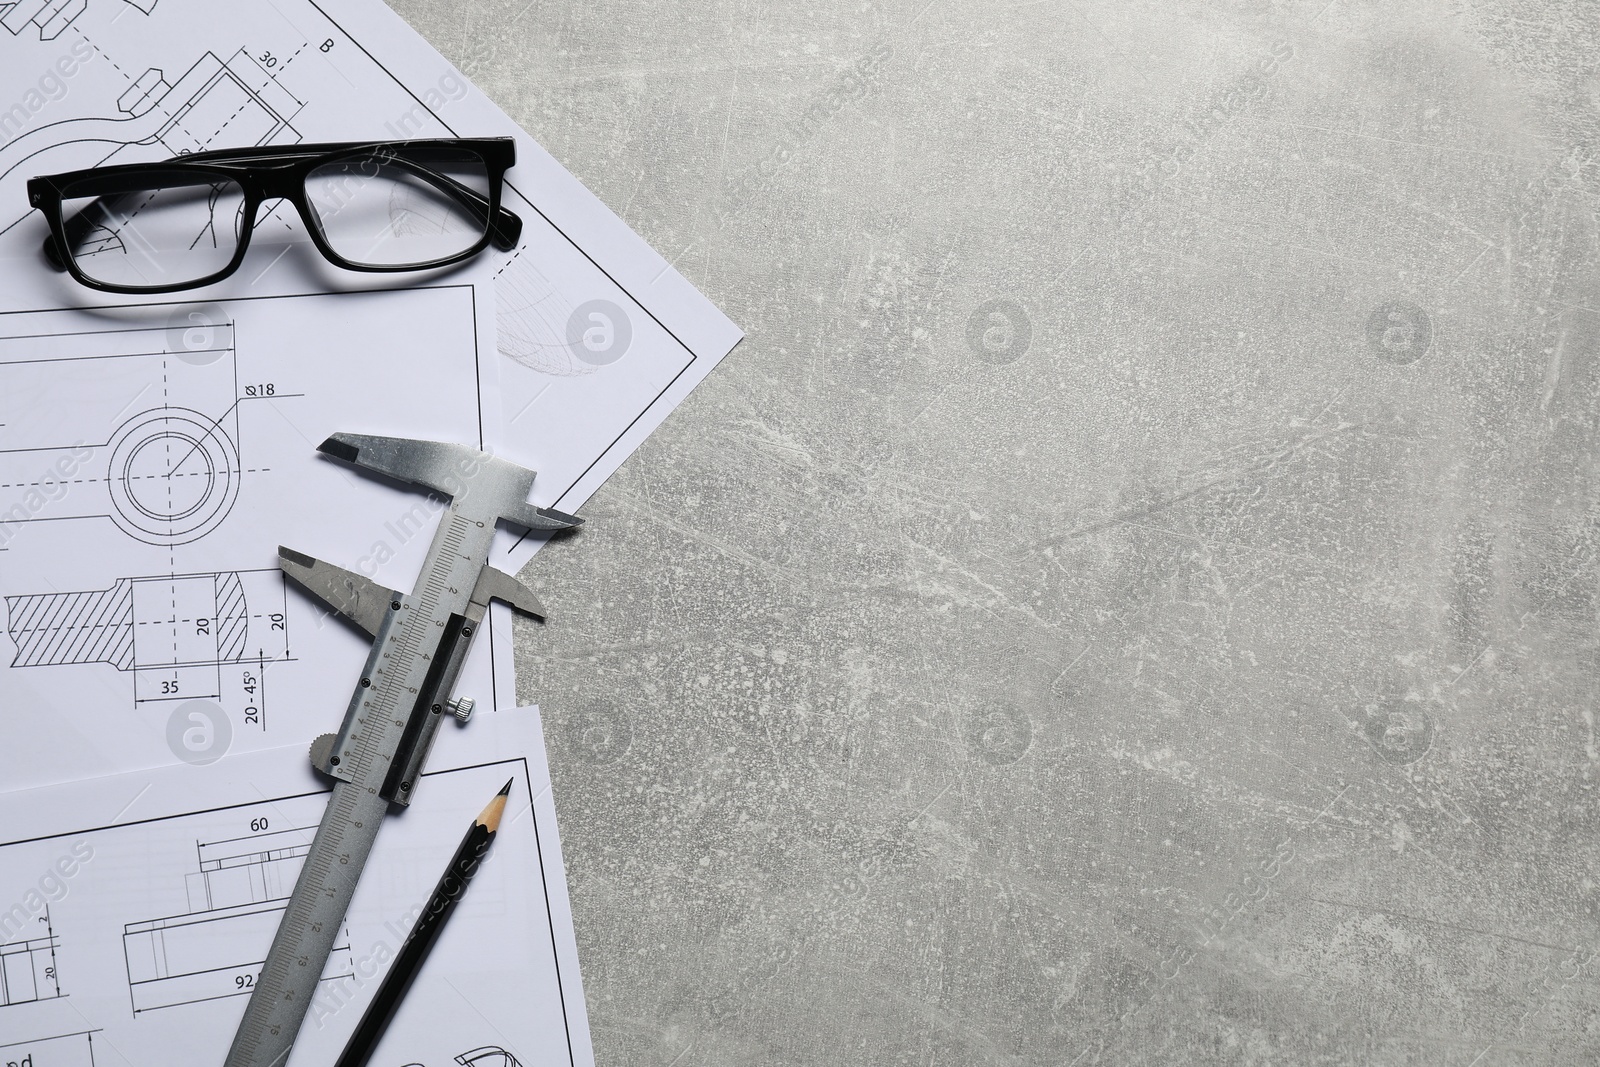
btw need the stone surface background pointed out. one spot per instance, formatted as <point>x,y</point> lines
<point>1132,597</point>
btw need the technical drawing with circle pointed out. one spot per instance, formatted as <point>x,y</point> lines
<point>173,632</point>
<point>152,441</point>
<point>489,1056</point>
<point>173,476</point>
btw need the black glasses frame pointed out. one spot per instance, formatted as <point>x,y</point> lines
<point>279,172</point>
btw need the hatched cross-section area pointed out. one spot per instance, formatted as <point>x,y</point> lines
<point>174,632</point>
<point>87,627</point>
<point>232,615</point>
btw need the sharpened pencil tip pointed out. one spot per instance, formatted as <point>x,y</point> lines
<point>496,810</point>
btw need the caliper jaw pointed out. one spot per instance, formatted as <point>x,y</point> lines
<point>350,595</point>
<point>483,489</point>
<point>495,584</point>
<point>453,471</point>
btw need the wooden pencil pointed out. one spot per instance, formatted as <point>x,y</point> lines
<point>408,962</point>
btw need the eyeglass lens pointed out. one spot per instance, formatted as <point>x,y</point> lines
<point>389,209</point>
<point>183,228</point>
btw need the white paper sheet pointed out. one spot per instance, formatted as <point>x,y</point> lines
<point>136,909</point>
<point>152,458</point>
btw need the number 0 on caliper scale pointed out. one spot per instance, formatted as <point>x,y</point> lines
<point>420,641</point>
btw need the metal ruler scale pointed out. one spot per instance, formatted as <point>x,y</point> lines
<point>376,758</point>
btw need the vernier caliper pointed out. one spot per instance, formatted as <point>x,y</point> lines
<point>376,758</point>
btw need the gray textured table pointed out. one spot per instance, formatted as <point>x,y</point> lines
<point>1132,597</point>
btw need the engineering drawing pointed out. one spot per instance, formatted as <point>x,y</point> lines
<point>65,1050</point>
<point>488,1056</point>
<point>531,316</point>
<point>51,17</point>
<point>28,967</point>
<point>237,101</point>
<point>167,474</point>
<point>491,1056</point>
<point>216,948</point>
<point>174,632</point>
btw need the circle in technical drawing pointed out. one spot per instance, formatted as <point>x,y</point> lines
<point>599,332</point>
<point>1399,731</point>
<point>173,476</point>
<point>198,334</point>
<point>999,331</point>
<point>1399,332</point>
<point>168,498</point>
<point>198,732</point>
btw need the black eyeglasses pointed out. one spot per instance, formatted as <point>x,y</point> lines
<point>368,206</point>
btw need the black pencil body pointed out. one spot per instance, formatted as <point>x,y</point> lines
<point>408,962</point>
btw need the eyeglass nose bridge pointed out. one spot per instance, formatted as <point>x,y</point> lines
<point>278,183</point>
<point>267,198</point>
